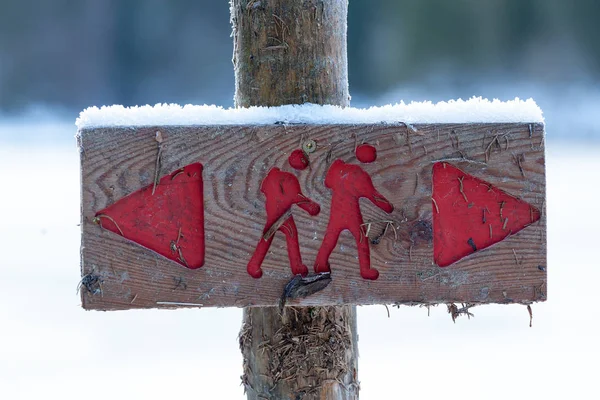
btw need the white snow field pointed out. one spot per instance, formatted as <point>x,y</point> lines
<point>51,348</point>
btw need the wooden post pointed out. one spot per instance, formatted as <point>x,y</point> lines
<point>292,52</point>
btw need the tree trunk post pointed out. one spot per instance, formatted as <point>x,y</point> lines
<point>294,52</point>
<point>290,52</point>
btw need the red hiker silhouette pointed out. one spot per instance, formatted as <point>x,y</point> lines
<point>282,190</point>
<point>349,183</point>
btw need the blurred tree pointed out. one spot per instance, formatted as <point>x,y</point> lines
<point>79,53</point>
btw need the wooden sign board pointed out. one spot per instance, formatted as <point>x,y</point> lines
<point>229,215</point>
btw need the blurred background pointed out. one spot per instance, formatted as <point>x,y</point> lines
<point>59,57</point>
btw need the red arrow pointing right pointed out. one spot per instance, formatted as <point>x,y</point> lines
<point>470,214</point>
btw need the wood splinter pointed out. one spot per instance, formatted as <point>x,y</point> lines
<point>496,140</point>
<point>518,159</point>
<point>97,220</point>
<point>460,180</point>
<point>416,183</point>
<point>517,258</point>
<point>456,312</point>
<point>278,224</point>
<point>159,140</point>
<point>301,287</point>
<point>377,239</point>
<point>437,209</point>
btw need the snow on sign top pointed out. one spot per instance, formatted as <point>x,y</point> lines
<point>474,110</point>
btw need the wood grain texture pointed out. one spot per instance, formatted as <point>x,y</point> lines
<point>118,161</point>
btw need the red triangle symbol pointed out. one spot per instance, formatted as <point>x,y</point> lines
<point>470,214</point>
<point>169,222</point>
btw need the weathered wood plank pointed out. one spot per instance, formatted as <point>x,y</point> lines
<point>116,162</point>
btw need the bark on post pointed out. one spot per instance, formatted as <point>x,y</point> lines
<point>294,52</point>
<point>290,52</point>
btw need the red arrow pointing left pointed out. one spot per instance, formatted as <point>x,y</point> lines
<point>169,222</point>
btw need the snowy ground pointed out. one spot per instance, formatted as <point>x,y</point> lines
<point>51,348</point>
